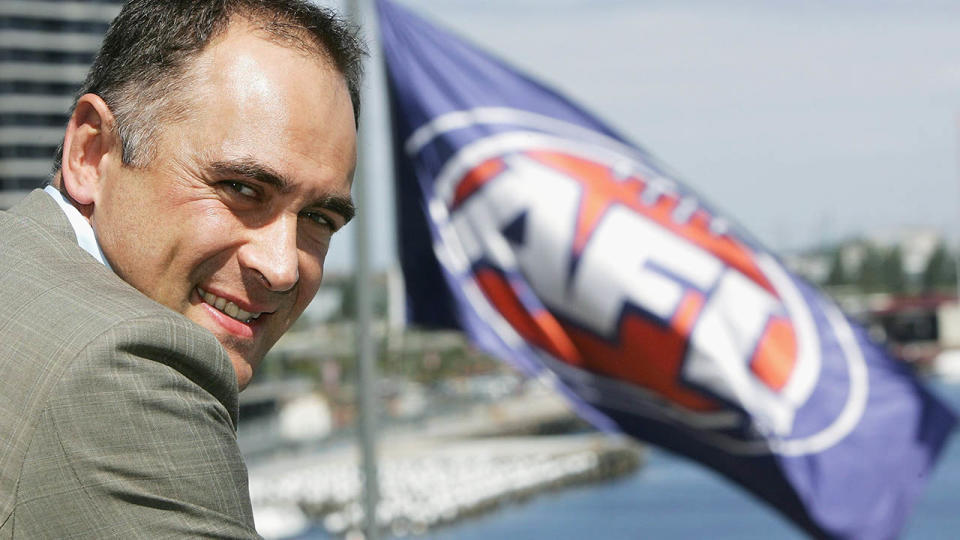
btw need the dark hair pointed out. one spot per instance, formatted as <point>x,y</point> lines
<point>145,56</point>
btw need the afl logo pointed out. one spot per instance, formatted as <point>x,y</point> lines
<point>570,242</point>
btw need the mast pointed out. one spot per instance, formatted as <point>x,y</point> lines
<point>358,11</point>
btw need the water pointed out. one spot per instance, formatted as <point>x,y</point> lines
<point>672,498</point>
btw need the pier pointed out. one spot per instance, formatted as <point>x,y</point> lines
<point>460,466</point>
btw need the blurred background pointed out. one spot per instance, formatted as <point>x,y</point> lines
<point>827,129</point>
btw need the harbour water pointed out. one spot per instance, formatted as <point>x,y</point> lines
<point>671,498</point>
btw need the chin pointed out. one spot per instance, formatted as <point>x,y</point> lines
<point>244,373</point>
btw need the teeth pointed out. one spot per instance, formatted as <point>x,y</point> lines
<point>229,308</point>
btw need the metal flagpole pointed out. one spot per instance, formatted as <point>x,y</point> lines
<point>365,343</point>
<point>956,252</point>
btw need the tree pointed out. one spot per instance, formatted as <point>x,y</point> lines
<point>838,273</point>
<point>941,270</point>
<point>894,280</point>
<point>870,275</point>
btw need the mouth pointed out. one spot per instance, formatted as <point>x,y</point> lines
<point>227,307</point>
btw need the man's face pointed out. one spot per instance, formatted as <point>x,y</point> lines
<point>233,215</point>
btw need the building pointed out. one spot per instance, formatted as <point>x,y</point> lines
<point>45,50</point>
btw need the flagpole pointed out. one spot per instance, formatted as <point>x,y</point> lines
<point>365,344</point>
<point>956,252</point>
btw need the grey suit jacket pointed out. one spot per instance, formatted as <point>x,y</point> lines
<point>117,415</point>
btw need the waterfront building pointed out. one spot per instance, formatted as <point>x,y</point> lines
<point>45,50</point>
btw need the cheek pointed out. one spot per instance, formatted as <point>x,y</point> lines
<point>127,241</point>
<point>206,228</point>
<point>311,273</point>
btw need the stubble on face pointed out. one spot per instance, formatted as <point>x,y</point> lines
<point>202,217</point>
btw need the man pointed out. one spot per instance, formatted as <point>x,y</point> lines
<point>206,164</point>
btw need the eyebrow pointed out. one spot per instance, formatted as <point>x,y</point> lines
<point>249,168</point>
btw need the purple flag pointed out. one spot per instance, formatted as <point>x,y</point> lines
<point>557,245</point>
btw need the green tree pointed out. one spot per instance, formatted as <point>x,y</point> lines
<point>870,275</point>
<point>941,270</point>
<point>894,280</point>
<point>838,273</point>
<point>348,299</point>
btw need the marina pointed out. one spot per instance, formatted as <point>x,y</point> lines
<point>664,497</point>
<point>459,467</point>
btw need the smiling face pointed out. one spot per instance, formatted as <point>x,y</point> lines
<point>233,215</point>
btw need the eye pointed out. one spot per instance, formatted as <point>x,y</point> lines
<point>319,218</point>
<point>241,188</point>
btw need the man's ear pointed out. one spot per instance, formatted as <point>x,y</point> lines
<point>88,146</point>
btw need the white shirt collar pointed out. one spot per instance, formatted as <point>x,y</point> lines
<point>86,238</point>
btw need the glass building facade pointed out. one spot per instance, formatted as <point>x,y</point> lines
<point>45,49</point>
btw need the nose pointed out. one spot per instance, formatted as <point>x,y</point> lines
<point>271,251</point>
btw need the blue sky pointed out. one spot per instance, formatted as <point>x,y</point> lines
<point>804,121</point>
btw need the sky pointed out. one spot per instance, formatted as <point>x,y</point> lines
<point>805,121</point>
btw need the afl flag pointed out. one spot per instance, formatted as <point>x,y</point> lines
<point>562,248</point>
